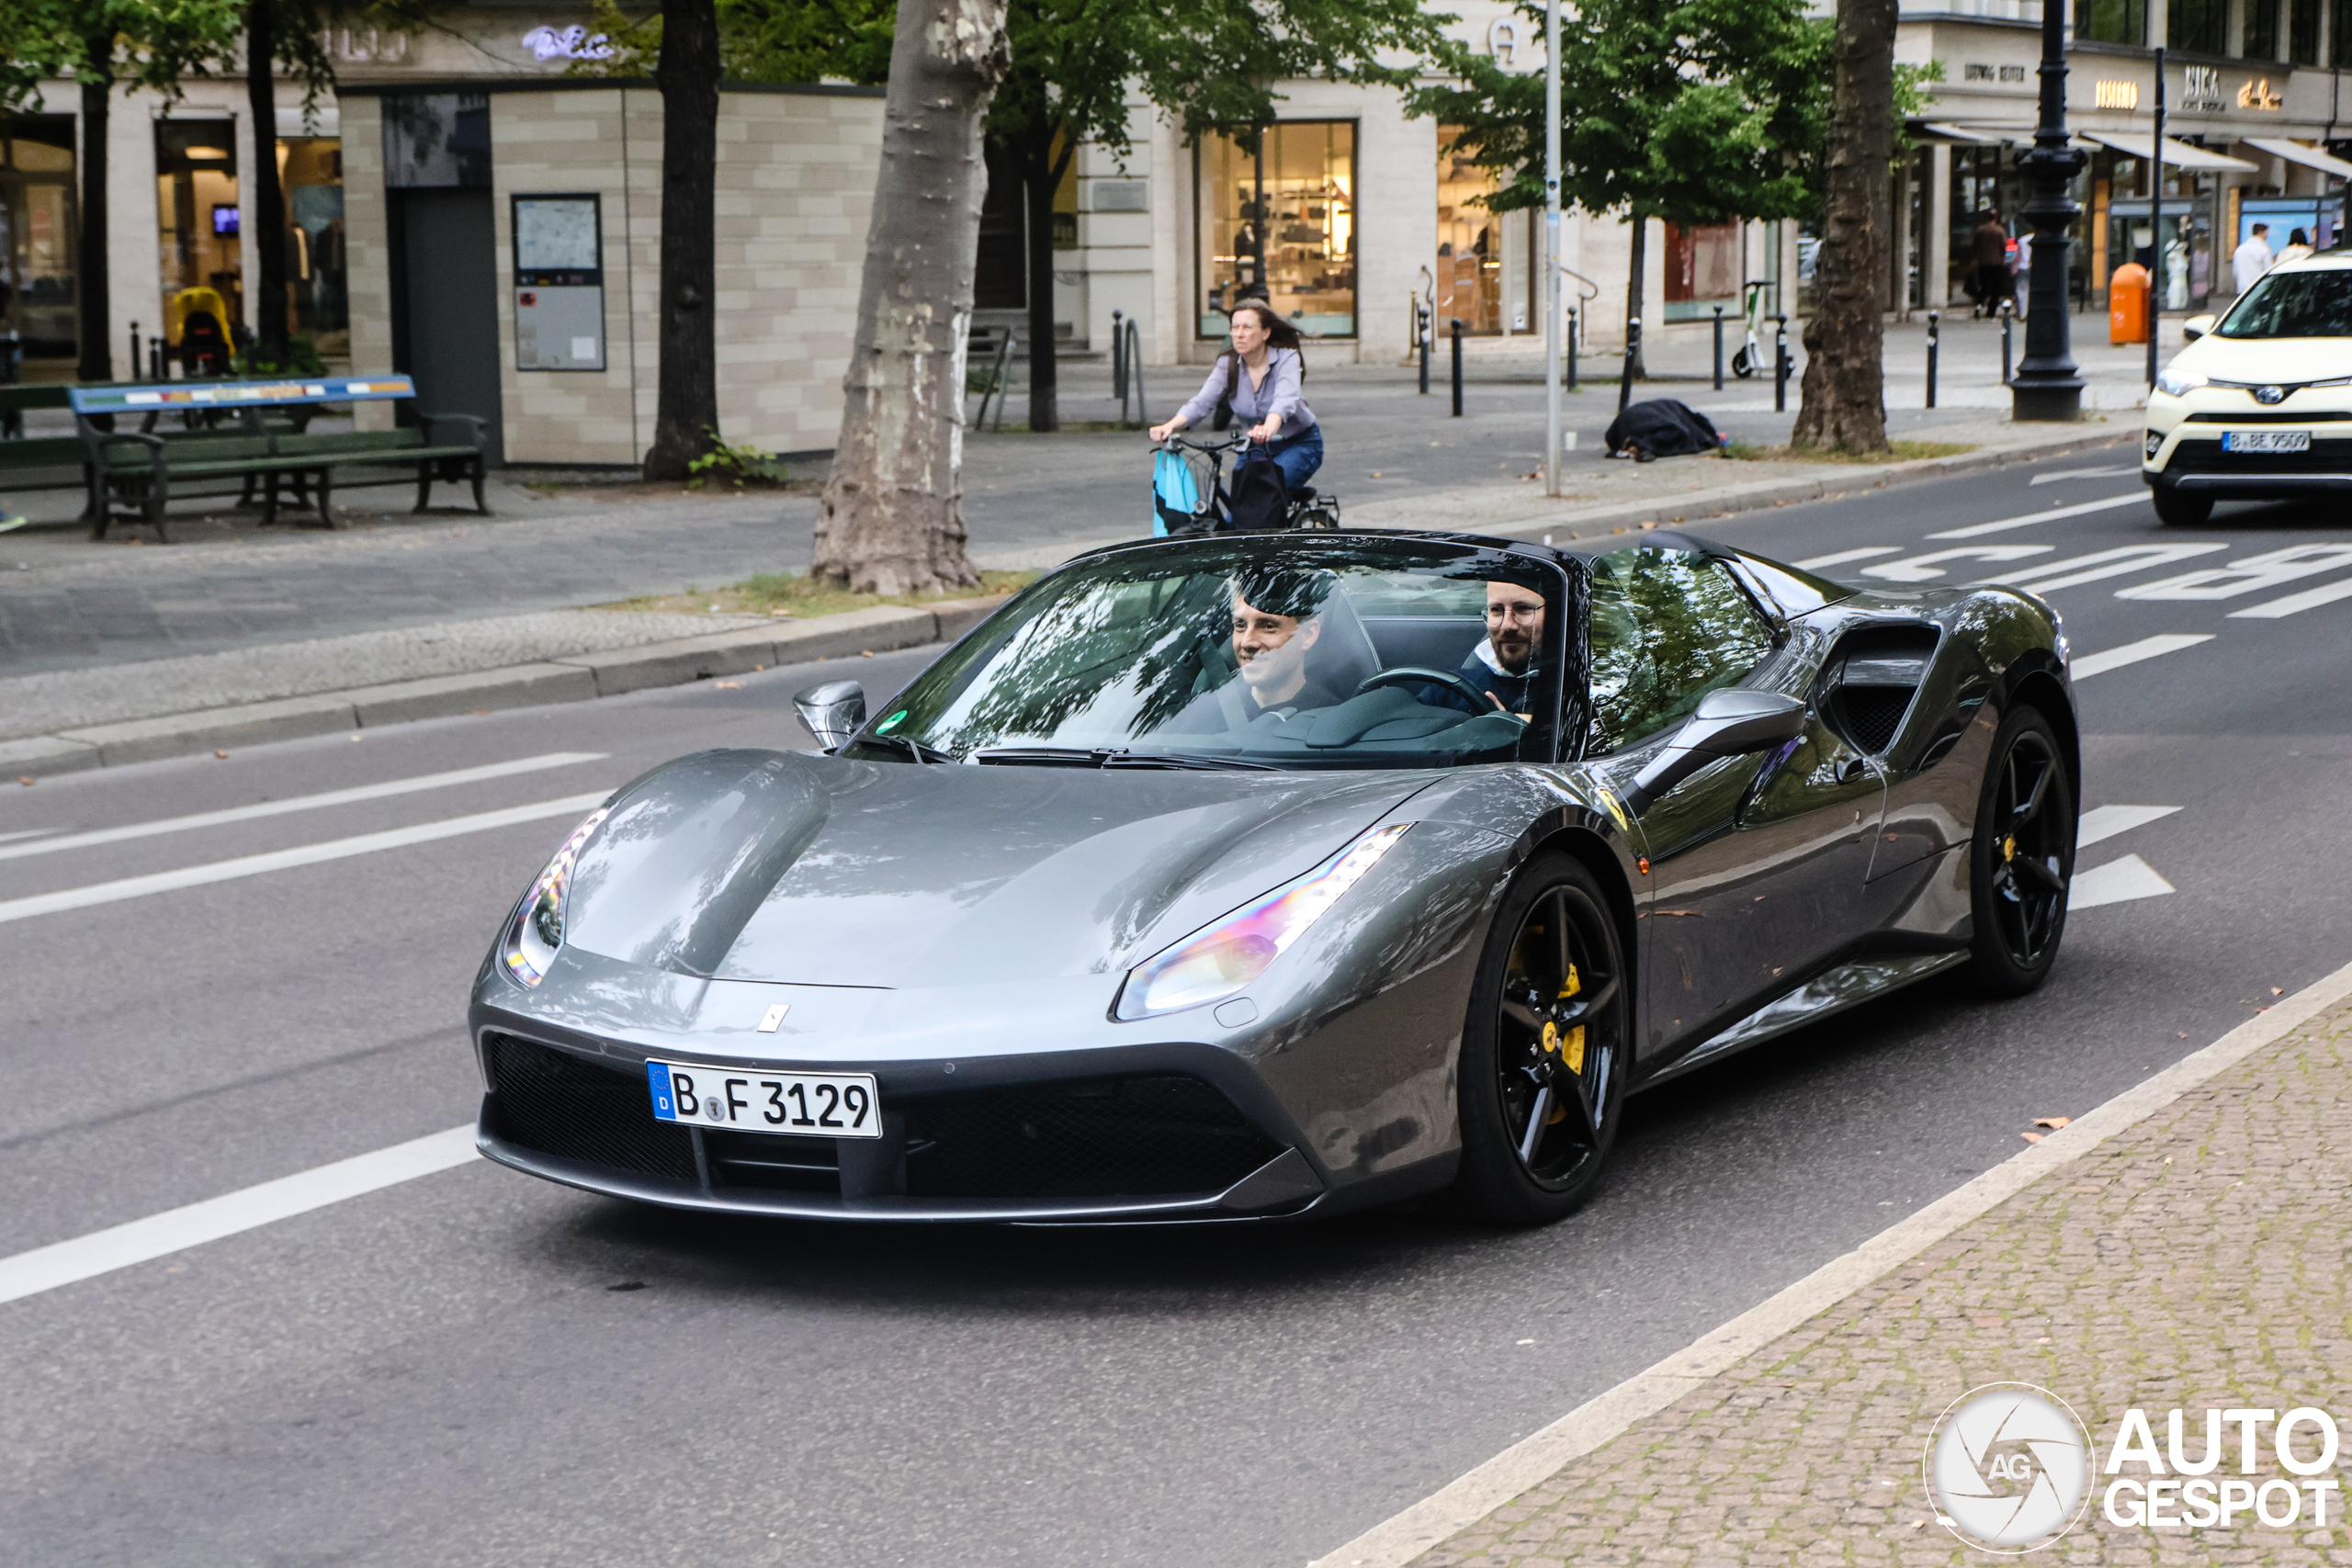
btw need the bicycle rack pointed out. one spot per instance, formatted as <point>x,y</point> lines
<point>998,360</point>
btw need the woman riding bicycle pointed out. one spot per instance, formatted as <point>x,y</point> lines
<point>1259,381</point>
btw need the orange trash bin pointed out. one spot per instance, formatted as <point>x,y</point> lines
<point>2127,304</point>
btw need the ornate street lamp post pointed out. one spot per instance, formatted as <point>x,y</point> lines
<point>2047,384</point>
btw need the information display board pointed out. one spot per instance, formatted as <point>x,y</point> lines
<point>559,283</point>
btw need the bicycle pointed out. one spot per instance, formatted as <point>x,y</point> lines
<point>1177,513</point>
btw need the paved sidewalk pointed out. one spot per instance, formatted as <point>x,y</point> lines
<point>2197,1260</point>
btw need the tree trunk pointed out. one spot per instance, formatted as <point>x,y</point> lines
<point>1041,176</point>
<point>92,299</point>
<point>685,418</point>
<point>892,519</point>
<point>269,239</point>
<point>1844,406</point>
<point>1633,294</point>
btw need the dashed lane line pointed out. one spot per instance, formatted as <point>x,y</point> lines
<point>2296,604</point>
<point>1977,530</point>
<point>293,802</point>
<point>2091,664</point>
<point>281,859</point>
<point>2104,822</point>
<point>2048,577</point>
<point>177,1230</point>
<point>1839,558</point>
<point>2117,882</point>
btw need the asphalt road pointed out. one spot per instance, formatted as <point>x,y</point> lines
<point>476,1368</point>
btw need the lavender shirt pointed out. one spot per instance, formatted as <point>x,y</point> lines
<point>1277,394</point>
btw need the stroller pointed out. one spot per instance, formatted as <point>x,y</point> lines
<point>1181,506</point>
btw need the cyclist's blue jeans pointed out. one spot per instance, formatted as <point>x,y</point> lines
<point>1298,455</point>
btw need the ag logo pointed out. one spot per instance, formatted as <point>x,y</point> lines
<point>2008,1466</point>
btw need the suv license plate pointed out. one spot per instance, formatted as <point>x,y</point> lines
<point>806,1105</point>
<point>2266,441</point>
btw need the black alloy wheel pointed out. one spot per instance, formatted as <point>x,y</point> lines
<point>1545,1051</point>
<point>2021,860</point>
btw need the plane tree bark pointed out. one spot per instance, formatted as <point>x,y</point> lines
<point>685,417</point>
<point>892,513</point>
<point>1844,389</point>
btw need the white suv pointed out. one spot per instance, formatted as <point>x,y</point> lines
<point>2259,405</point>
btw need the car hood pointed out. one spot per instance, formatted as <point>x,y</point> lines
<point>785,867</point>
<point>2271,359</point>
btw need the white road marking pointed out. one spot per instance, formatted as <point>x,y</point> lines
<point>2296,604</point>
<point>2091,664</point>
<point>2117,882</point>
<point>2106,821</point>
<point>1921,568</point>
<point>281,859</point>
<point>177,1230</point>
<point>25,833</point>
<point>1471,1497</point>
<point>2245,576</point>
<point>2053,478</point>
<point>296,803</point>
<point>1839,558</point>
<point>2046,577</point>
<point>1978,530</point>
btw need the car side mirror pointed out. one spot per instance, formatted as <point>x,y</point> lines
<point>833,711</point>
<point>1728,723</point>
<point>2196,327</point>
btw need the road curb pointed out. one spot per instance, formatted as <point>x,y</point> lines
<point>1599,1421</point>
<point>575,678</point>
<point>1755,495</point>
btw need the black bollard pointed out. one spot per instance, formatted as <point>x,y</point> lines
<point>134,350</point>
<point>1572,351</point>
<point>1931,358</point>
<point>155,359</point>
<point>1119,361</point>
<point>1719,348</point>
<point>1456,321</point>
<point>1781,366</point>
<point>2008,317</point>
<point>1421,338</point>
<point>1632,352</point>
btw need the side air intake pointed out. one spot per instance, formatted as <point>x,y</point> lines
<point>1871,681</point>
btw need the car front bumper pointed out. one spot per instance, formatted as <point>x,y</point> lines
<point>2181,446</point>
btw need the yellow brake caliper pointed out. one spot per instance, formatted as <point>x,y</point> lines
<point>1568,1047</point>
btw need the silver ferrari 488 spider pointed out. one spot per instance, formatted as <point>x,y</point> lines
<point>1256,878</point>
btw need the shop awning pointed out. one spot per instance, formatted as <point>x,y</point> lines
<point>1966,136</point>
<point>2005,136</point>
<point>2301,152</point>
<point>2177,155</point>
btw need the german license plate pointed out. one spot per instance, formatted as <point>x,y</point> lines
<point>808,1105</point>
<point>2266,441</point>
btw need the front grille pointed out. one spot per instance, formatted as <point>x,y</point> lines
<point>2325,456</point>
<point>1106,1137</point>
<point>777,1162</point>
<point>575,1108</point>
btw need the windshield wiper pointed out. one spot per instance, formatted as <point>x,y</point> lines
<point>915,749</point>
<point>1110,757</point>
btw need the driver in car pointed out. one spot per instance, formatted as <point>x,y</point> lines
<point>1502,667</point>
<point>1276,623</point>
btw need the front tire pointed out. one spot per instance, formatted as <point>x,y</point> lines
<point>1545,1050</point>
<point>2176,510</point>
<point>2021,858</point>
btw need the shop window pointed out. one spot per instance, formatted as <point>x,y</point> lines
<point>2111,21</point>
<point>309,171</point>
<point>1279,224</point>
<point>2261,30</point>
<point>2340,34</point>
<point>1701,271</point>
<point>36,236</point>
<point>437,141</point>
<point>2198,27</point>
<point>2303,32</point>
<point>198,236</point>
<point>1469,269</point>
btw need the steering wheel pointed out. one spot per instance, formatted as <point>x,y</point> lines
<point>1412,675</point>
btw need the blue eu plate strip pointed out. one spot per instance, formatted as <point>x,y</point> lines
<point>665,1104</point>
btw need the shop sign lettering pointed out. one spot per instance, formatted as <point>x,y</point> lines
<point>568,43</point>
<point>365,45</point>
<point>2117,94</point>
<point>2260,95</point>
<point>2201,89</point>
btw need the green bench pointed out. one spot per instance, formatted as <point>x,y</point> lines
<point>134,475</point>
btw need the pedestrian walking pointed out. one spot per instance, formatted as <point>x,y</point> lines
<point>1989,248</point>
<point>2299,245</point>
<point>2252,258</point>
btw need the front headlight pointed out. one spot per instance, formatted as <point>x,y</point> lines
<point>1229,954</point>
<point>2175,383</point>
<point>536,930</point>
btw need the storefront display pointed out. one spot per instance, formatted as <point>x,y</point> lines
<point>1279,224</point>
<point>195,180</point>
<point>37,224</point>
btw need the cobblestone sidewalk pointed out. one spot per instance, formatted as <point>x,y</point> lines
<point>2195,1261</point>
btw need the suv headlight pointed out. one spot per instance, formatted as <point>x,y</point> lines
<point>2175,383</point>
<point>536,933</point>
<point>1234,951</point>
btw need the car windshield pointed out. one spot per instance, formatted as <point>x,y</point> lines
<point>2293,304</point>
<point>1255,652</point>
